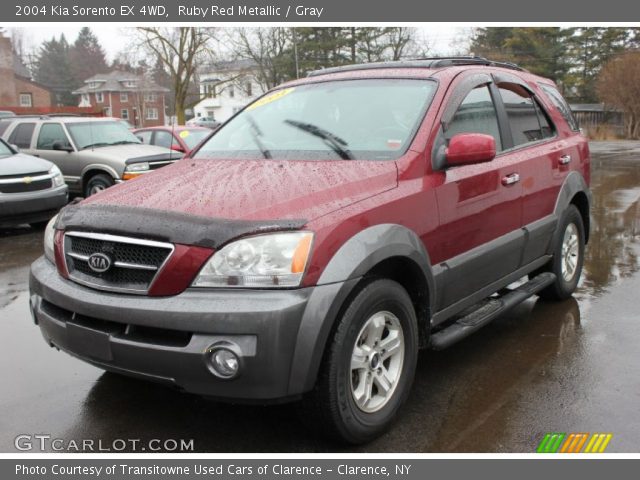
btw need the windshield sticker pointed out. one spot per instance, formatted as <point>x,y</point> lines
<point>184,133</point>
<point>270,98</point>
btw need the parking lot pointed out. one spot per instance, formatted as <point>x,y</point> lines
<point>545,367</point>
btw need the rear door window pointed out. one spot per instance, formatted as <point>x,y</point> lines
<point>527,120</point>
<point>21,135</point>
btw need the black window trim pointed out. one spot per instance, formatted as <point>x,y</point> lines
<point>543,87</point>
<point>535,99</point>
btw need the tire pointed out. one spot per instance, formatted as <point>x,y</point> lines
<point>568,256</point>
<point>338,405</point>
<point>97,183</point>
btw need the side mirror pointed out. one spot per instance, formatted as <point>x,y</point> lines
<point>58,145</point>
<point>15,147</point>
<point>177,148</point>
<point>468,148</point>
<point>139,137</point>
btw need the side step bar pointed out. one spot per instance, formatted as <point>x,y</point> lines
<point>481,314</point>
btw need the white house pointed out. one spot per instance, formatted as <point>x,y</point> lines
<point>227,87</point>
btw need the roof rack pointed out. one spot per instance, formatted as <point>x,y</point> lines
<point>425,62</point>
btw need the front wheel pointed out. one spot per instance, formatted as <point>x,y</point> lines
<point>369,365</point>
<point>98,183</point>
<point>568,256</point>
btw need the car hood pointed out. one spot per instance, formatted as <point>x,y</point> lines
<point>22,164</point>
<point>253,189</point>
<point>130,153</point>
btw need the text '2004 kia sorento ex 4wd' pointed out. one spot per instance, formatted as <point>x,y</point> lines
<point>325,234</point>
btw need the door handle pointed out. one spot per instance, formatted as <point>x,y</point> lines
<point>510,179</point>
<point>564,160</point>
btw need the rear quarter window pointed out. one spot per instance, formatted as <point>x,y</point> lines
<point>561,104</point>
<point>21,135</point>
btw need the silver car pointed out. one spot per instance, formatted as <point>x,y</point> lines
<point>92,153</point>
<point>32,190</point>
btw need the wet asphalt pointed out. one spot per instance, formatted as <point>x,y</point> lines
<point>544,367</point>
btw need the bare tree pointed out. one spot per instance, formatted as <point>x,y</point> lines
<point>181,50</point>
<point>618,87</point>
<point>269,48</point>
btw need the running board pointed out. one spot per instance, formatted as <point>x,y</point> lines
<point>489,309</point>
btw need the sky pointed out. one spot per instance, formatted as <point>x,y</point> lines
<point>440,37</point>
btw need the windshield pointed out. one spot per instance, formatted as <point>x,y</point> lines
<point>372,119</point>
<point>193,137</point>
<point>100,134</point>
<point>4,150</point>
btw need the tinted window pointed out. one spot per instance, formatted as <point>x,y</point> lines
<point>163,139</point>
<point>561,104</point>
<point>49,134</point>
<point>3,126</point>
<point>21,136</point>
<point>526,120</point>
<point>476,114</point>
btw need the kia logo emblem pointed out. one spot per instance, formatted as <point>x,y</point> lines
<point>99,262</point>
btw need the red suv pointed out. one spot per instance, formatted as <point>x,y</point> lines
<point>324,235</point>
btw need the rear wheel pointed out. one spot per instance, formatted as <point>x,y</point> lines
<point>369,365</point>
<point>98,183</point>
<point>568,256</point>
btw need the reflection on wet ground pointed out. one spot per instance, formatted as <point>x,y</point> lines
<point>569,366</point>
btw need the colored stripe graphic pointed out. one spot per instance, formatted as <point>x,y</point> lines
<point>550,443</point>
<point>574,442</point>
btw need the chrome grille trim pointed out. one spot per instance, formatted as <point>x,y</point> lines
<point>117,264</point>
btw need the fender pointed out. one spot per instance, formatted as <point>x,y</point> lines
<point>99,166</point>
<point>351,262</point>
<point>574,183</point>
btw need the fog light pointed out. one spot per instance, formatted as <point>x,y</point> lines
<point>223,362</point>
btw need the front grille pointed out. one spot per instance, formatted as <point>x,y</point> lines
<point>133,263</point>
<point>23,187</point>
<point>157,165</point>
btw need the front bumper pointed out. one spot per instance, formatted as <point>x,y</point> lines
<point>165,338</point>
<point>16,208</point>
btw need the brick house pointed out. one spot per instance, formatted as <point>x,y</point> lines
<point>125,95</point>
<point>16,87</point>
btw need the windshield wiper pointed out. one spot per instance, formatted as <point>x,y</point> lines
<point>126,142</point>
<point>336,143</point>
<point>98,144</point>
<point>256,133</point>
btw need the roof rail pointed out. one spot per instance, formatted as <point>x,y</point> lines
<point>425,62</point>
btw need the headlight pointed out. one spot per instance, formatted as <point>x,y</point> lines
<point>49,240</point>
<point>137,167</point>
<point>134,170</point>
<point>57,179</point>
<point>267,261</point>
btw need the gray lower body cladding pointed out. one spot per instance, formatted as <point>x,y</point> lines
<point>164,339</point>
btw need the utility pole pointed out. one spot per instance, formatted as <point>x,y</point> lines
<point>295,52</point>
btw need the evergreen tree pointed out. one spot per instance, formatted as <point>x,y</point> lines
<point>53,70</point>
<point>86,57</point>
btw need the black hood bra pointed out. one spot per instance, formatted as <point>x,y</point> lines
<point>165,226</point>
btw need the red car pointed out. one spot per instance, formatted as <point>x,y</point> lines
<point>324,235</point>
<point>180,138</point>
